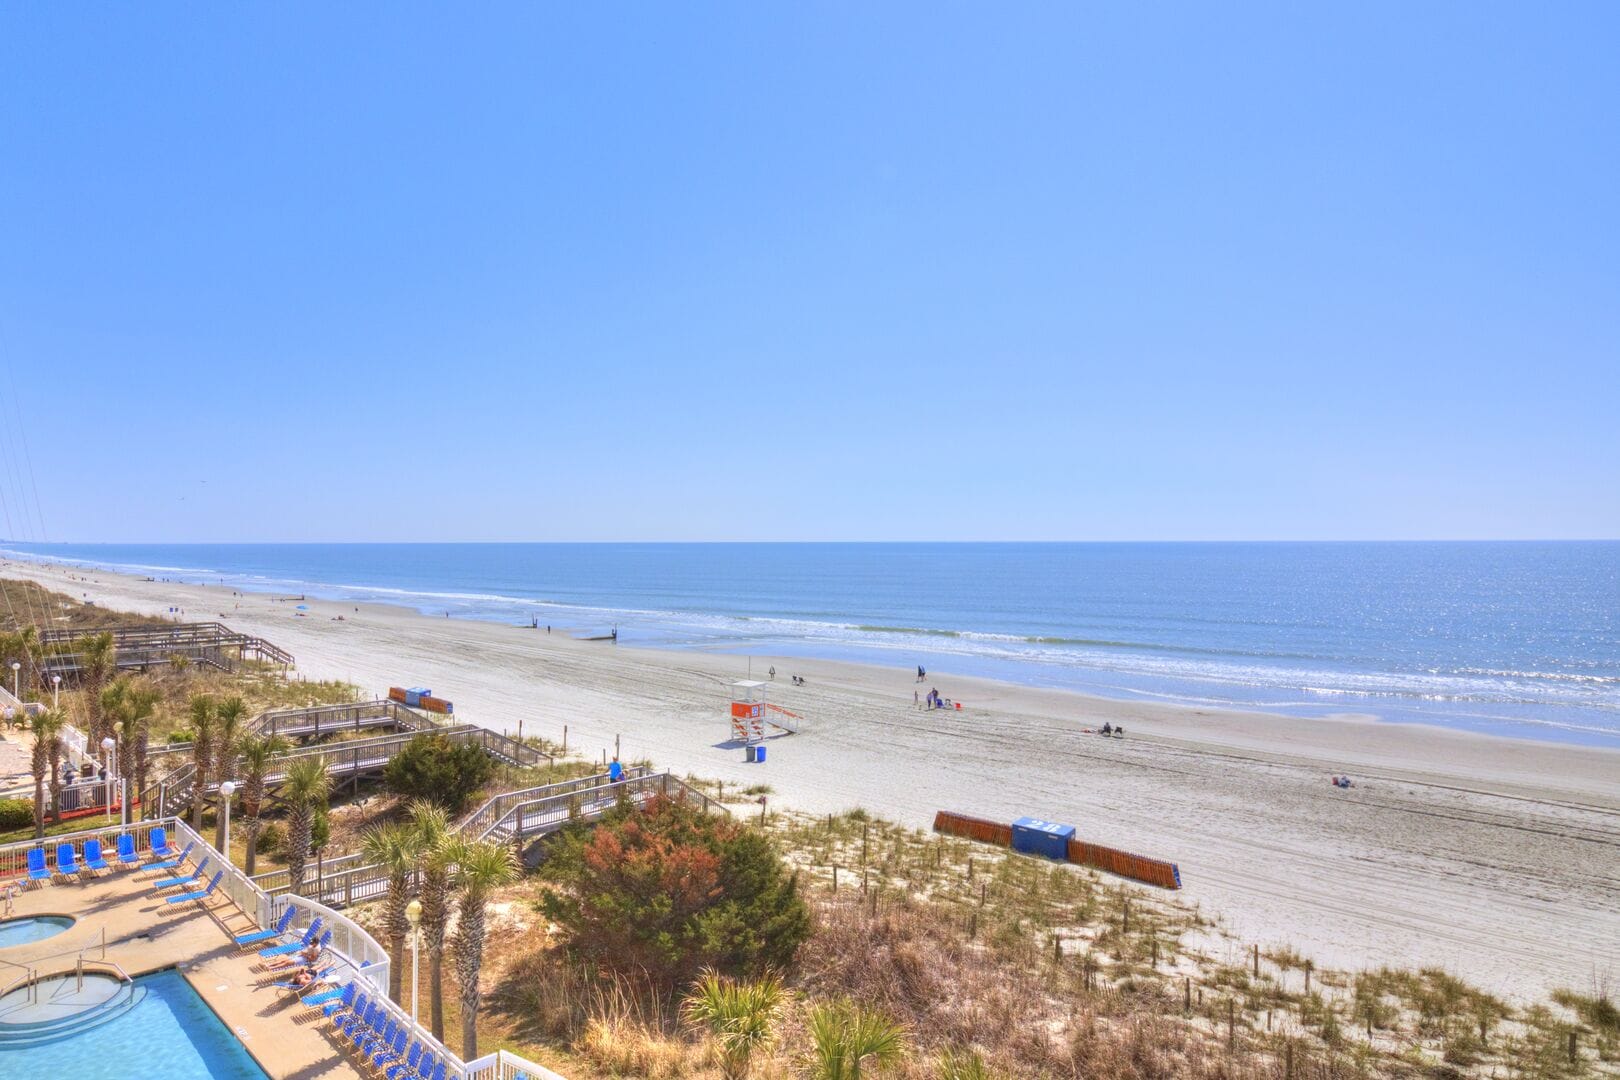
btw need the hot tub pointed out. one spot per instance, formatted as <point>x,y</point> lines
<point>31,928</point>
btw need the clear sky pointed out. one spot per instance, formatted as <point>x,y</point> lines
<point>810,271</point>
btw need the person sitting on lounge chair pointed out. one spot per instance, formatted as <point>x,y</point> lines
<point>1108,729</point>
<point>305,957</point>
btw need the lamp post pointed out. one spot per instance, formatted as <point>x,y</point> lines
<point>16,679</point>
<point>107,745</point>
<point>413,913</point>
<point>56,691</point>
<point>226,790</point>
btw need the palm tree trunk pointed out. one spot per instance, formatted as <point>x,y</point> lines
<point>436,990</point>
<point>301,823</point>
<point>251,862</point>
<point>39,806</point>
<point>469,964</point>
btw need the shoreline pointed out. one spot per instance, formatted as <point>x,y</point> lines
<point>1478,853</point>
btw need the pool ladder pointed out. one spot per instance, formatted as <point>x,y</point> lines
<point>30,976</point>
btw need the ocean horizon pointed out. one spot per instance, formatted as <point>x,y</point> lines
<point>1516,638</point>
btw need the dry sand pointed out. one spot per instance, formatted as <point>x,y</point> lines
<point>1496,859</point>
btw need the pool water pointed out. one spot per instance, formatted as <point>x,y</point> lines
<point>31,928</point>
<point>169,1032</point>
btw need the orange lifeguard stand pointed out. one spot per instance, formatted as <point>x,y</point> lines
<point>748,712</point>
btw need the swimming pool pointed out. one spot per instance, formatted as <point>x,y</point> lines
<point>169,1032</point>
<point>29,928</point>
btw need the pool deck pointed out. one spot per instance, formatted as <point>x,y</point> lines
<point>144,934</point>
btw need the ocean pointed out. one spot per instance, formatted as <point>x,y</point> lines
<point>1518,639</point>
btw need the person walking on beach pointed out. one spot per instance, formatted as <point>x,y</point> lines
<point>922,673</point>
<point>773,672</point>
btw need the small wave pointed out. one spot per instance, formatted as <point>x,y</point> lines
<point>921,630</point>
<point>1549,676</point>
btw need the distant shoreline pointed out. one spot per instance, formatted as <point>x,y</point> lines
<point>1230,646</point>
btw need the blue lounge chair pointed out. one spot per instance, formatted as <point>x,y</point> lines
<point>343,1017</point>
<point>391,1049</point>
<point>158,841</point>
<point>200,895</point>
<point>334,994</point>
<point>93,859</point>
<point>344,1002</point>
<point>293,946</point>
<point>266,935</point>
<point>376,1040</point>
<point>127,855</point>
<point>408,1066</point>
<point>66,861</point>
<point>424,1068</point>
<point>438,1071</point>
<point>170,863</point>
<point>37,870</point>
<point>289,984</point>
<point>183,879</point>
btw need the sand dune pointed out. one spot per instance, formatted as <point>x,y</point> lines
<point>1498,860</point>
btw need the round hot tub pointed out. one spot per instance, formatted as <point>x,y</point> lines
<point>31,928</point>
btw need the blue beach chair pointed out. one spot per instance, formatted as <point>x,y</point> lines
<point>267,935</point>
<point>37,870</point>
<point>183,879</point>
<point>293,946</point>
<point>391,1050</point>
<point>344,1001</point>
<point>289,984</point>
<point>336,993</point>
<point>438,1071</point>
<point>175,860</point>
<point>66,861</point>
<point>127,855</point>
<point>406,1067</point>
<point>201,895</point>
<point>424,1067</point>
<point>93,859</point>
<point>158,841</point>
<point>341,1018</point>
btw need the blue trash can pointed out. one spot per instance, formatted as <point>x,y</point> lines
<point>761,757</point>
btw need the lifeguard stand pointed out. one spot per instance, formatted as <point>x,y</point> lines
<point>748,712</point>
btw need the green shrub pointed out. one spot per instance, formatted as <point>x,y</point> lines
<point>434,768</point>
<point>671,890</point>
<point>180,735</point>
<point>272,838</point>
<point>16,814</point>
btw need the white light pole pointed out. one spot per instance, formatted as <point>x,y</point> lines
<point>56,691</point>
<point>226,790</point>
<point>413,913</point>
<point>16,680</point>
<point>107,745</point>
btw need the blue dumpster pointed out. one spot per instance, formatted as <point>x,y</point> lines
<point>1036,837</point>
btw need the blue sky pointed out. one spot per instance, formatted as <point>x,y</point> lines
<point>770,271</point>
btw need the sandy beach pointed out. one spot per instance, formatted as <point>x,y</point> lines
<point>1498,860</point>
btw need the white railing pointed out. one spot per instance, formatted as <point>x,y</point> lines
<point>14,857</point>
<point>505,1065</point>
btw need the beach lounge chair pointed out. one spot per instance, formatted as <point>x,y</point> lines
<point>391,1049</point>
<point>336,993</point>
<point>379,1040</point>
<point>37,870</point>
<point>424,1068</point>
<point>127,855</point>
<point>439,1070</point>
<point>93,859</point>
<point>291,984</point>
<point>344,1001</point>
<point>341,1017</point>
<point>158,841</point>
<point>183,879</point>
<point>266,935</point>
<point>293,946</point>
<point>66,861</point>
<point>174,860</point>
<point>201,895</point>
<point>405,1068</point>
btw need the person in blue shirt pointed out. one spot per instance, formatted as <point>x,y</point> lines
<point>615,772</point>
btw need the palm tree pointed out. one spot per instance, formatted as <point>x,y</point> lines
<point>229,716</point>
<point>98,660</point>
<point>54,753</point>
<point>740,1017</point>
<point>46,726</point>
<point>481,868</point>
<point>255,753</point>
<point>433,834</point>
<point>203,713</point>
<point>140,704</point>
<point>393,847</point>
<point>848,1038</point>
<point>307,787</point>
<point>30,650</point>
